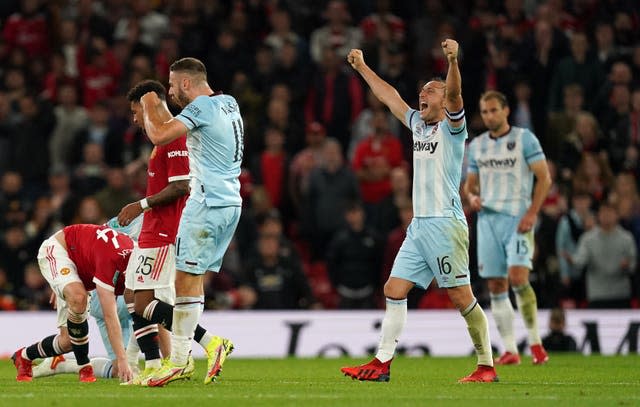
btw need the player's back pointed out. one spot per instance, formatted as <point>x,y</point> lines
<point>215,144</point>
<point>506,181</point>
<point>100,255</point>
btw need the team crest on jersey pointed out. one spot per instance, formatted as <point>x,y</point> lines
<point>511,145</point>
<point>65,271</point>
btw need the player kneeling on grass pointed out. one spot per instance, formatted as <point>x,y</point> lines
<point>74,261</point>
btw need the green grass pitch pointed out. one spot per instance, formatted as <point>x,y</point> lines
<point>567,380</point>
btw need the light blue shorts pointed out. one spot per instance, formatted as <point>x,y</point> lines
<point>434,247</point>
<point>204,235</point>
<point>95,310</point>
<point>500,246</point>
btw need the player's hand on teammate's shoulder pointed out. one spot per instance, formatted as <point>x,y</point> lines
<point>450,49</point>
<point>355,59</point>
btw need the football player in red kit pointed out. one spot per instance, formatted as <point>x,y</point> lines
<point>74,261</point>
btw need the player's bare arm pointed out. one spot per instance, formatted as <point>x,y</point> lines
<point>453,99</point>
<point>160,125</point>
<point>471,190</point>
<point>386,93</point>
<point>543,183</point>
<point>168,194</point>
<point>109,309</point>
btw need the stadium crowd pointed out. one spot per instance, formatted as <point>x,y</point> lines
<point>326,175</point>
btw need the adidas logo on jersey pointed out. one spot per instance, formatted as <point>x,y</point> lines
<point>140,279</point>
<point>428,146</point>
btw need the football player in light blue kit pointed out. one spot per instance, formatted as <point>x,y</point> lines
<point>502,164</point>
<point>437,240</point>
<point>215,133</point>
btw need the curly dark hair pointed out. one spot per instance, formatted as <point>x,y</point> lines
<point>146,86</point>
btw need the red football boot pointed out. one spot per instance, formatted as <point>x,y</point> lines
<point>23,366</point>
<point>508,358</point>
<point>86,374</point>
<point>483,374</point>
<point>374,371</point>
<point>539,355</point>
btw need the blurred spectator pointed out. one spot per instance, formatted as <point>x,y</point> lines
<point>7,129</point>
<point>281,34</point>
<point>608,254</point>
<point>271,168</point>
<point>279,282</point>
<point>100,73</point>
<point>89,212</point>
<point>335,97</point>
<point>71,120</point>
<point>605,46</point>
<point>71,48</point>
<point>40,224</point>
<point>363,124</point>
<point>226,57</point>
<point>331,187</point>
<point>292,70</point>
<point>116,194</point>
<point>337,34</point>
<point>7,298</point>
<point>63,200</point>
<point>584,138</point>
<point>30,156</point>
<point>397,73</point>
<point>13,201</point>
<point>557,340</point>
<point>373,160</point>
<point>522,114</point>
<point>354,257</point>
<point>35,293</point>
<point>89,175</point>
<point>571,226</point>
<point>28,29</point>
<point>579,68</point>
<point>562,123</point>
<point>152,23</point>
<point>385,216</point>
<point>304,162</point>
<point>16,252</point>
<point>382,25</point>
<point>593,176</point>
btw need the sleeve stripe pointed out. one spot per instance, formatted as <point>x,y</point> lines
<point>188,118</point>
<point>179,178</point>
<point>103,284</point>
<point>534,154</point>
<point>458,131</point>
<point>455,116</point>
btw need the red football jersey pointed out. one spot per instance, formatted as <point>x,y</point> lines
<point>100,255</point>
<point>167,164</point>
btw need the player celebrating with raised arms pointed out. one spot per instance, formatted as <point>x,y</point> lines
<point>437,239</point>
<point>75,260</point>
<point>502,164</point>
<point>215,132</point>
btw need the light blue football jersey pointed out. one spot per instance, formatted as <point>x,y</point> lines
<point>215,142</point>
<point>506,181</point>
<point>438,151</point>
